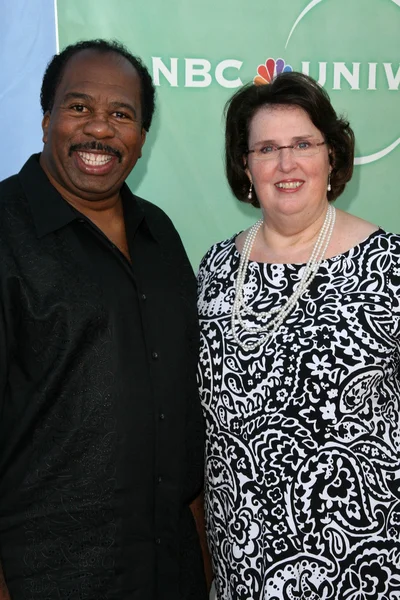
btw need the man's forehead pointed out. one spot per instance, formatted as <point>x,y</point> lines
<point>91,66</point>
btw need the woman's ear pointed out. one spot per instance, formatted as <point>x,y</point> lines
<point>246,169</point>
<point>331,155</point>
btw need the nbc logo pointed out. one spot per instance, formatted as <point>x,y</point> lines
<point>270,69</point>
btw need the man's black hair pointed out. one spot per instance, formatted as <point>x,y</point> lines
<point>56,66</point>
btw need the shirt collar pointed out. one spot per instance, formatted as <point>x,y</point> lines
<point>51,212</point>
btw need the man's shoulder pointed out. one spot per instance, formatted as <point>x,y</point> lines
<point>16,185</point>
<point>157,219</point>
<point>12,199</point>
<point>163,229</point>
<point>14,211</point>
<point>10,187</point>
<point>153,212</point>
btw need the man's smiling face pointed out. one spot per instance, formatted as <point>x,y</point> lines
<point>93,135</point>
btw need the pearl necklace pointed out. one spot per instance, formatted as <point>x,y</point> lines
<point>275,316</point>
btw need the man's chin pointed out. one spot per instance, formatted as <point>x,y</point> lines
<point>95,194</point>
<point>82,190</point>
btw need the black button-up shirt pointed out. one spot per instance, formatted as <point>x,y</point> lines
<point>101,440</point>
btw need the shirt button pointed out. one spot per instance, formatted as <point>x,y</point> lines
<point>162,417</point>
<point>158,541</point>
<point>154,355</point>
<point>144,297</point>
<point>159,480</point>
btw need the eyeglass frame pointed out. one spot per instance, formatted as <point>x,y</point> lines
<point>291,146</point>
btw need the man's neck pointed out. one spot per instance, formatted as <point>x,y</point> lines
<point>95,209</point>
<point>107,214</point>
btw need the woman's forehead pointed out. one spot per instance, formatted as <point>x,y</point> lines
<point>286,120</point>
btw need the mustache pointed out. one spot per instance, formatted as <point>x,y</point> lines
<point>95,146</point>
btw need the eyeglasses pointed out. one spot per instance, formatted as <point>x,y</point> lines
<point>299,149</point>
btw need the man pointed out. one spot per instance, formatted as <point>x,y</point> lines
<point>101,441</point>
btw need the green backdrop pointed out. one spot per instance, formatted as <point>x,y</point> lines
<point>199,52</point>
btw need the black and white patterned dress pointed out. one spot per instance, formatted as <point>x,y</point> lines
<point>303,433</point>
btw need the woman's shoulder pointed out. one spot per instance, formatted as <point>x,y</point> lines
<point>352,232</point>
<point>219,251</point>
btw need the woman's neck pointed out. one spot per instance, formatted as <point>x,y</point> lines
<point>289,239</point>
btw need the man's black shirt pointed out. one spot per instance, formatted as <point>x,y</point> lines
<point>101,439</point>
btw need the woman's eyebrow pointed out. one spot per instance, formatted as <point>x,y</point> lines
<point>295,138</point>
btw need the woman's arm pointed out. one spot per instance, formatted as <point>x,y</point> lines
<point>197,508</point>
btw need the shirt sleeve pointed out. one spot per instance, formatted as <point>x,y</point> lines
<point>4,352</point>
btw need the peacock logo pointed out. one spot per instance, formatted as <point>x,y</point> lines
<point>270,69</point>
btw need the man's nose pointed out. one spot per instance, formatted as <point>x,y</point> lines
<point>99,126</point>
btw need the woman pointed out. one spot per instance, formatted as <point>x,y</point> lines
<point>299,367</point>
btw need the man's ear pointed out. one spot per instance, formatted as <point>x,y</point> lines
<point>45,126</point>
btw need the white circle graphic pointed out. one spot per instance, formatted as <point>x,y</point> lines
<point>307,9</point>
<point>364,160</point>
<point>303,14</point>
<point>359,160</point>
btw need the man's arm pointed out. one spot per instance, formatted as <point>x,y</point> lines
<point>197,508</point>
<point>4,354</point>
<point>4,595</point>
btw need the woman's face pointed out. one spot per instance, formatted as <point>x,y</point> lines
<point>287,184</point>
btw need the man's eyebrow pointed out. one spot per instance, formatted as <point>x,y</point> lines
<point>77,96</point>
<point>126,105</point>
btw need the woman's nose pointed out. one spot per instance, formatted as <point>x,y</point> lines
<point>287,159</point>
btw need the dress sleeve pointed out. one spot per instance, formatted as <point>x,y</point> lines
<point>203,272</point>
<point>394,283</point>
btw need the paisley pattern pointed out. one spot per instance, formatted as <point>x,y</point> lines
<point>303,433</point>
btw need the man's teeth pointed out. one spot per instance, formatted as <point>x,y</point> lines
<point>289,185</point>
<point>92,159</point>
